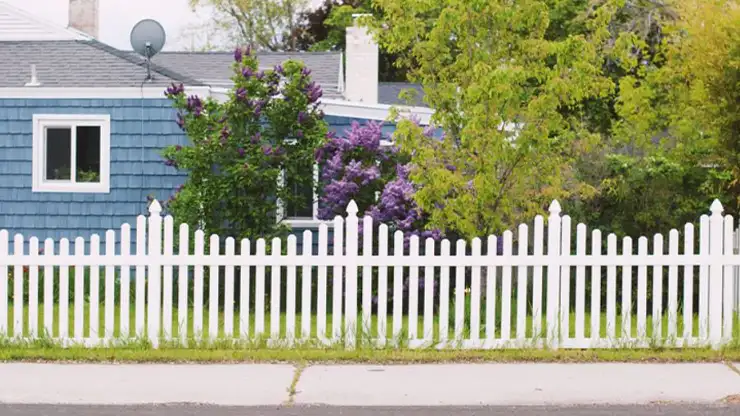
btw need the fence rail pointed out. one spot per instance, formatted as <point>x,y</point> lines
<point>541,286</point>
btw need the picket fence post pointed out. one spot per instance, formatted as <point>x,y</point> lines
<point>715,274</point>
<point>553,275</point>
<point>154,253</point>
<point>350,313</point>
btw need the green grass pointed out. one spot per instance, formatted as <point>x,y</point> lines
<point>138,350</point>
<point>140,353</point>
<point>367,333</point>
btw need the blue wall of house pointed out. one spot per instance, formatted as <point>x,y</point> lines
<point>139,130</point>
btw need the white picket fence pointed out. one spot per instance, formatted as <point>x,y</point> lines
<point>530,295</point>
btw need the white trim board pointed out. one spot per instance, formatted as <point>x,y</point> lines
<point>81,93</point>
<point>338,108</point>
<point>341,108</point>
<point>373,111</point>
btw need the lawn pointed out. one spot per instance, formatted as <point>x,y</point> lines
<point>371,332</point>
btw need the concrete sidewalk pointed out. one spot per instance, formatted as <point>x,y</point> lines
<point>361,385</point>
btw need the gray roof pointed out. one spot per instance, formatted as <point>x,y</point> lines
<point>388,93</point>
<point>215,68</point>
<point>89,63</point>
<point>75,63</point>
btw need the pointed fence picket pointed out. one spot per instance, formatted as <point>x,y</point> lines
<point>548,287</point>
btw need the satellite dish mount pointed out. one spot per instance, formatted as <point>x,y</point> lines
<point>148,39</point>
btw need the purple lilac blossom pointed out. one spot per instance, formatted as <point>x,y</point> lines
<point>346,176</point>
<point>337,193</point>
<point>195,105</point>
<point>354,171</point>
<point>333,166</point>
<point>313,91</point>
<point>174,90</point>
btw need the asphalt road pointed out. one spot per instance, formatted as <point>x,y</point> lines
<point>202,410</point>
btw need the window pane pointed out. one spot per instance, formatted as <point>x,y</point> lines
<point>88,154</point>
<point>302,205</point>
<point>58,153</point>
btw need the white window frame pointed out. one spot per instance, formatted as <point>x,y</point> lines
<point>43,121</point>
<point>313,222</point>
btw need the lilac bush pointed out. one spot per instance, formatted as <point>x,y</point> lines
<point>354,166</point>
<point>357,167</point>
<point>270,123</point>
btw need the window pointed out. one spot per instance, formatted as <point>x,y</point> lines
<point>300,214</point>
<point>306,215</point>
<point>71,153</point>
<point>303,193</point>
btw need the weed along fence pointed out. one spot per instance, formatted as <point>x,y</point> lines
<point>549,284</point>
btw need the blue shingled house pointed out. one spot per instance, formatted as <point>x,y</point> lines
<point>81,129</point>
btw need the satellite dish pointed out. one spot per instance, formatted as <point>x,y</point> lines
<point>147,39</point>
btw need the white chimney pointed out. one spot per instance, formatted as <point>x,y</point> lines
<point>362,65</point>
<point>84,16</point>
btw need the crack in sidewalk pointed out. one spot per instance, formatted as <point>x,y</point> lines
<point>292,391</point>
<point>732,367</point>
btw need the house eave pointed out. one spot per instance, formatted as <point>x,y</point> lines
<point>95,93</point>
<point>359,110</point>
<point>331,107</point>
<point>367,111</point>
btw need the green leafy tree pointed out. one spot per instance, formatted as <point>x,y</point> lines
<point>615,105</point>
<point>324,29</point>
<point>261,24</point>
<point>509,99</point>
<point>271,123</point>
<point>673,143</point>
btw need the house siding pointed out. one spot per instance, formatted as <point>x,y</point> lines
<point>340,124</point>
<point>139,130</point>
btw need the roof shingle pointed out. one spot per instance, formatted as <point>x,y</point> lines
<point>388,93</point>
<point>73,63</point>
<point>214,68</point>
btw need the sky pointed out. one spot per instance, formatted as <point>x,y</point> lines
<point>117,17</point>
